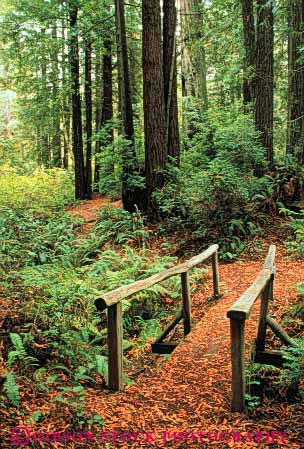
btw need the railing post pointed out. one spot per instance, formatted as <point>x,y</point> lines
<point>115,347</point>
<point>237,329</point>
<point>215,270</point>
<point>186,302</point>
<point>266,296</point>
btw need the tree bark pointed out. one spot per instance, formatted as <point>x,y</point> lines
<point>295,127</point>
<point>188,76</point>
<point>264,80</point>
<point>170,80</point>
<point>154,100</point>
<point>56,131</point>
<point>250,54</point>
<point>89,116</point>
<point>80,187</point>
<point>106,112</point>
<point>129,162</point>
<point>66,97</point>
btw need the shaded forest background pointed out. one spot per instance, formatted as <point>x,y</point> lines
<point>134,97</point>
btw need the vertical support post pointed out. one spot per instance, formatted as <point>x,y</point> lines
<point>237,329</point>
<point>216,278</point>
<point>115,347</point>
<point>267,295</point>
<point>186,302</point>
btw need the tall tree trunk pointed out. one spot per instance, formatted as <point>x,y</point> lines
<point>56,131</point>
<point>99,87</point>
<point>66,97</point>
<point>154,100</point>
<point>249,44</point>
<point>44,140</point>
<point>188,76</point>
<point>295,127</point>
<point>264,80</point>
<point>194,69</point>
<point>89,115</point>
<point>129,157</point>
<point>80,187</point>
<point>106,112</point>
<point>170,80</point>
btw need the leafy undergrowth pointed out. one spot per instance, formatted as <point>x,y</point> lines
<point>53,345</point>
<point>190,392</point>
<point>53,341</point>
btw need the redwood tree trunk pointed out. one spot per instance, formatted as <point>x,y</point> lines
<point>264,80</point>
<point>80,188</point>
<point>89,114</point>
<point>154,100</point>
<point>295,129</point>
<point>170,80</point>
<point>129,163</point>
<point>249,44</point>
<point>106,112</point>
<point>56,137</point>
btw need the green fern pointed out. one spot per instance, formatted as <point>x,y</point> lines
<point>12,390</point>
<point>19,353</point>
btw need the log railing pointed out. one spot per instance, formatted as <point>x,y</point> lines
<point>112,302</point>
<point>238,314</point>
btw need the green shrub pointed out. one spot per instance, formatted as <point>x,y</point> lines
<point>26,239</point>
<point>121,226</point>
<point>43,192</point>
<point>295,244</point>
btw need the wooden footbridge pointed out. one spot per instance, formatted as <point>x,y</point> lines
<point>263,287</point>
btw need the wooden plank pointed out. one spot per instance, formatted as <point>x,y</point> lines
<point>280,332</point>
<point>186,302</point>
<point>262,327</point>
<point>216,277</point>
<point>270,259</point>
<point>164,347</point>
<point>115,347</point>
<point>241,309</point>
<point>121,293</point>
<point>237,329</point>
<point>273,358</point>
<point>170,326</point>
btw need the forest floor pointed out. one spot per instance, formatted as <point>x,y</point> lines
<point>190,392</point>
<point>177,399</point>
<point>88,210</point>
<point>183,400</point>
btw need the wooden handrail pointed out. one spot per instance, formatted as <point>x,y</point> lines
<point>241,309</point>
<point>117,295</point>
<point>112,302</point>
<point>238,314</point>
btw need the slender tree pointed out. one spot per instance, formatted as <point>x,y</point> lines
<point>170,79</point>
<point>194,67</point>
<point>79,167</point>
<point>56,131</point>
<point>264,79</point>
<point>295,128</point>
<point>129,194</point>
<point>66,97</point>
<point>250,54</point>
<point>188,76</point>
<point>89,114</point>
<point>105,113</point>
<point>154,100</point>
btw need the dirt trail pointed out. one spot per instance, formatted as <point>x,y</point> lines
<point>88,210</point>
<point>191,391</point>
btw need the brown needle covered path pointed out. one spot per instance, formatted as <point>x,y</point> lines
<point>88,210</point>
<point>190,392</point>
